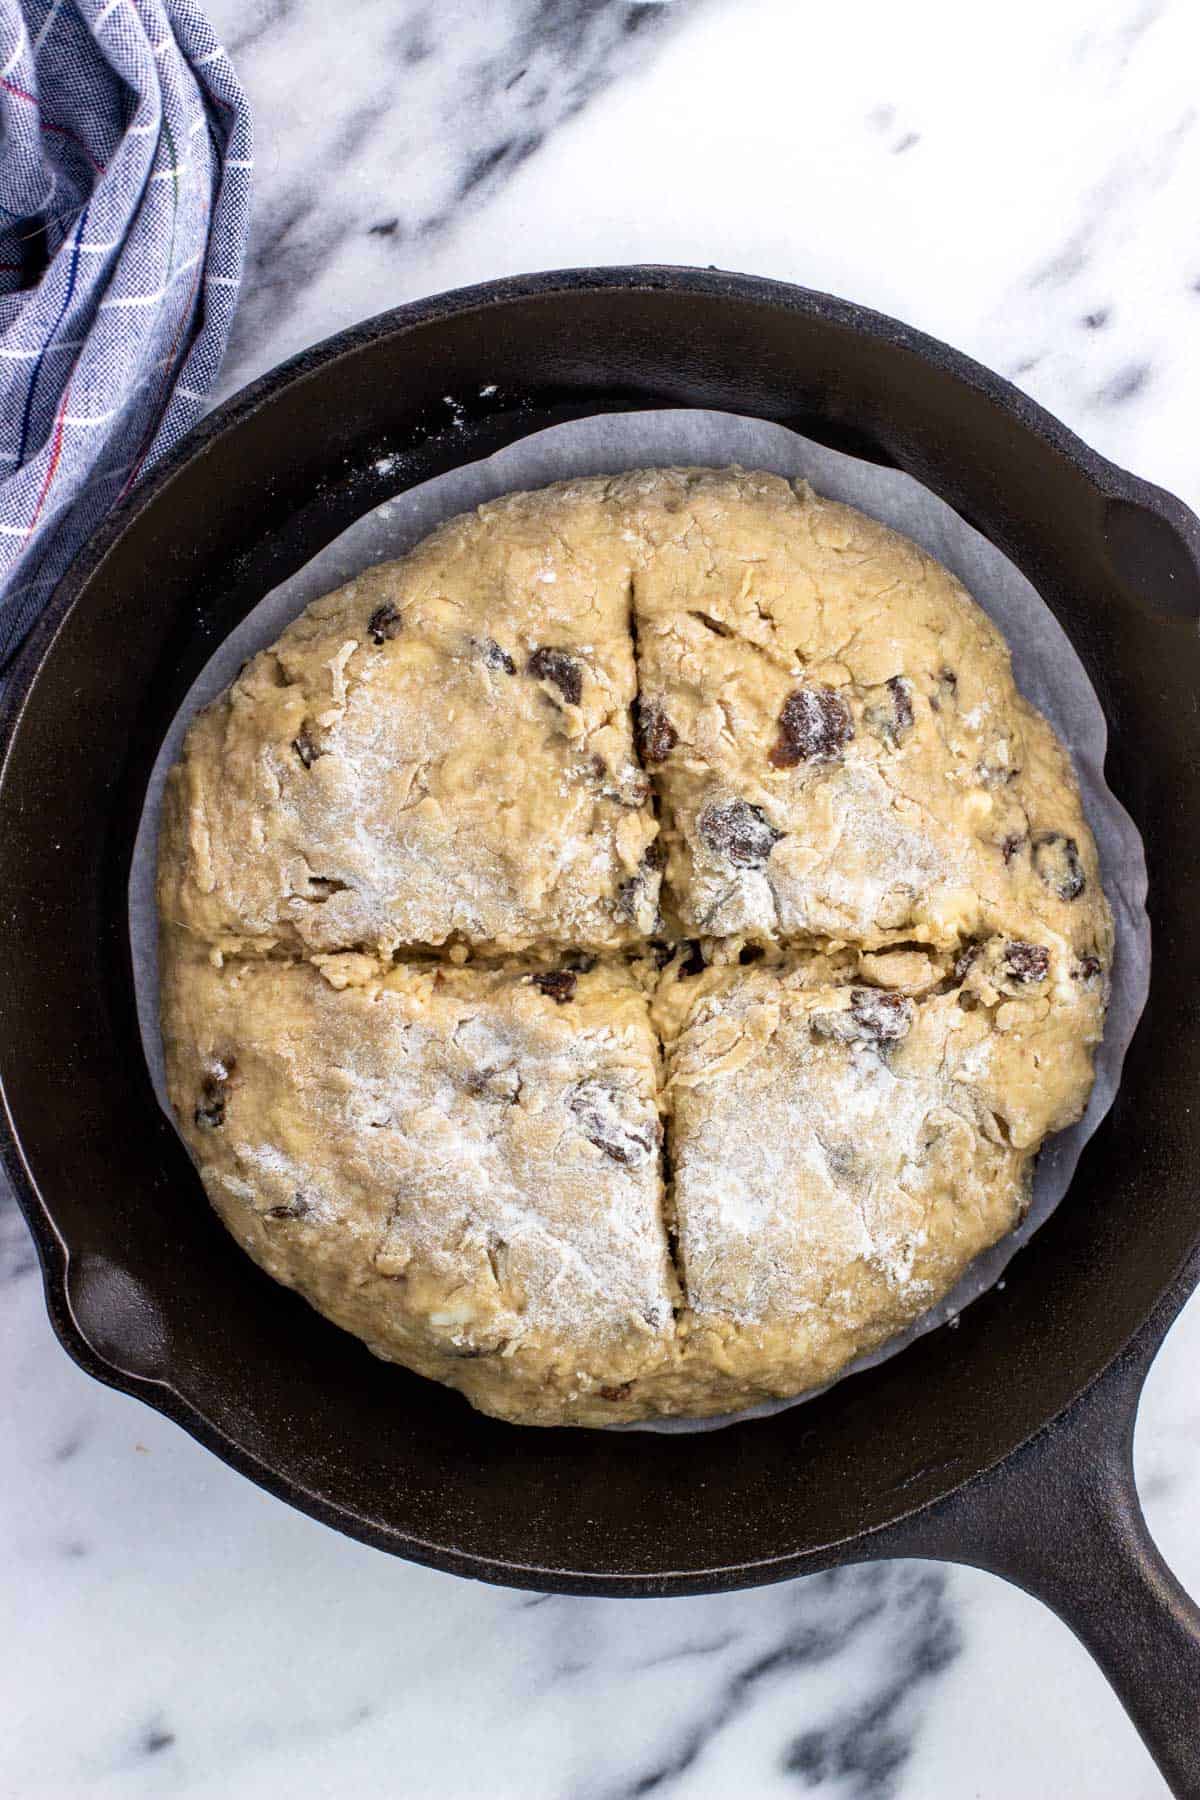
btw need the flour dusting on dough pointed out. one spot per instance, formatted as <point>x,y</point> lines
<point>603,1073</point>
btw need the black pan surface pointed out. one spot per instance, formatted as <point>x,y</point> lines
<point>132,1256</point>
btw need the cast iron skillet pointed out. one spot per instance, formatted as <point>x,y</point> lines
<point>1006,1443</point>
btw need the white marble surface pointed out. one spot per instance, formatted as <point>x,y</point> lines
<point>1019,180</point>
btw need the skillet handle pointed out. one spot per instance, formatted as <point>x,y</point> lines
<point>1061,1519</point>
<point>1152,541</point>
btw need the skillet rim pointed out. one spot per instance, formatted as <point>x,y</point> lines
<point>1110,481</point>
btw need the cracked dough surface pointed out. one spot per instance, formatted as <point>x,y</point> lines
<point>446,1068</point>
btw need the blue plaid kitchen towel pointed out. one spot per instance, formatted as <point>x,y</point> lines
<point>125,159</point>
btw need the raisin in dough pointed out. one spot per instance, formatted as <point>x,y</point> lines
<point>875,985</point>
<point>440,749</point>
<point>455,1164</point>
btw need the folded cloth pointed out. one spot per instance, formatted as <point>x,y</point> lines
<point>125,159</point>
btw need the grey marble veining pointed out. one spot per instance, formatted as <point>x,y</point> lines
<point>1022,183</point>
<point>403,119</point>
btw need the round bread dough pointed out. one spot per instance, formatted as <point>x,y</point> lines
<point>452,1065</point>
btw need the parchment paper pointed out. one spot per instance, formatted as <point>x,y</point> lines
<point>1047,669</point>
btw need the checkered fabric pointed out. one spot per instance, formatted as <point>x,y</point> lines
<point>125,160</point>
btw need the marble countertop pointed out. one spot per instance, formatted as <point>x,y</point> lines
<point>1019,181</point>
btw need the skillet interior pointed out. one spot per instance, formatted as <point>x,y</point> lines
<point>146,1289</point>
